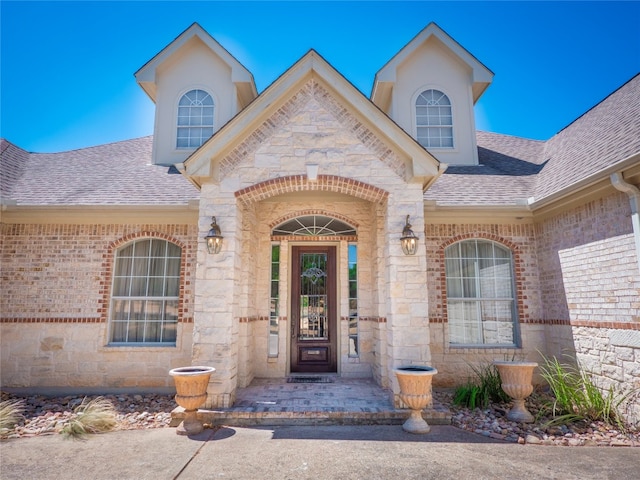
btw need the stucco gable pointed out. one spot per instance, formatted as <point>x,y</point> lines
<point>311,78</point>
<point>386,76</point>
<point>240,76</point>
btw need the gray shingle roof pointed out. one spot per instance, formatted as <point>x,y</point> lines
<point>606,134</point>
<point>513,168</point>
<point>507,172</point>
<point>118,173</point>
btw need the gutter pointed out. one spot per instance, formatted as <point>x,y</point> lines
<point>633,193</point>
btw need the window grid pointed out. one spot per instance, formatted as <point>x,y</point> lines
<point>195,119</point>
<point>145,293</point>
<point>434,121</point>
<point>274,302</point>
<point>353,300</point>
<point>480,294</point>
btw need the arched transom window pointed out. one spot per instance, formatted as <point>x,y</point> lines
<point>481,306</point>
<point>195,119</point>
<point>434,122</point>
<point>314,225</point>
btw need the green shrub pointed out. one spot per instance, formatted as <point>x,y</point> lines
<point>482,390</point>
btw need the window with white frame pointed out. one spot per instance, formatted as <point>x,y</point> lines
<point>145,293</point>
<point>481,305</point>
<point>434,121</point>
<point>195,119</point>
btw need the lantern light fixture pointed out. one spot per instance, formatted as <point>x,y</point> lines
<point>408,241</point>
<point>214,238</point>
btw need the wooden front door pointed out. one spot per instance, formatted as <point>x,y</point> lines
<point>313,309</point>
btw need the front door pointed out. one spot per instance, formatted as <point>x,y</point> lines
<point>313,309</point>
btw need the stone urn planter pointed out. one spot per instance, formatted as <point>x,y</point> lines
<point>415,392</point>
<point>191,393</point>
<point>516,380</point>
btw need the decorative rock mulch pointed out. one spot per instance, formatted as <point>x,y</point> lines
<point>47,415</point>
<point>492,422</point>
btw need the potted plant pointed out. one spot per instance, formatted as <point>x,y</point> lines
<point>415,392</point>
<point>516,378</point>
<point>191,393</point>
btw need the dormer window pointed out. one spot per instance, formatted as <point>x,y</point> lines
<point>434,123</point>
<point>195,119</point>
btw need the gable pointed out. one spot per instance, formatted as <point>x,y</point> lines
<point>240,76</point>
<point>386,77</point>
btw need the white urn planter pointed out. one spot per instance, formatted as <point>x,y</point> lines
<point>516,378</point>
<point>415,392</point>
<point>191,393</point>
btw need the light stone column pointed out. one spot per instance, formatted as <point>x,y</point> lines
<point>215,331</point>
<point>407,329</point>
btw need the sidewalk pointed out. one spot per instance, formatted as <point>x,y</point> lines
<point>288,452</point>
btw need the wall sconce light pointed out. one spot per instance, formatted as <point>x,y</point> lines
<point>214,237</point>
<point>409,241</point>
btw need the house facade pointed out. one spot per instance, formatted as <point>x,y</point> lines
<point>310,229</point>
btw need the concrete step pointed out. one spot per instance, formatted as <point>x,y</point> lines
<point>230,417</point>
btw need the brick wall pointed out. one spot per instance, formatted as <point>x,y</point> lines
<point>591,286</point>
<point>54,295</point>
<point>453,363</point>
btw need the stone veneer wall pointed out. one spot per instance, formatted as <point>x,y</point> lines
<point>591,291</point>
<point>54,299</point>
<point>453,363</point>
<point>355,165</point>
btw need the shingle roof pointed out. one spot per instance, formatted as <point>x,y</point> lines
<point>512,169</point>
<point>606,134</point>
<point>506,173</point>
<point>118,173</point>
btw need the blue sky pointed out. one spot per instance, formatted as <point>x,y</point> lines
<point>67,67</point>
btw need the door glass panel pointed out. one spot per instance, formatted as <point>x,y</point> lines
<point>313,297</point>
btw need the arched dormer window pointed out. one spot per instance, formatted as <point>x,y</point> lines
<point>434,122</point>
<point>195,119</point>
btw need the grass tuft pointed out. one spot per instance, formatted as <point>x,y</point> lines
<point>576,397</point>
<point>10,414</point>
<point>95,416</point>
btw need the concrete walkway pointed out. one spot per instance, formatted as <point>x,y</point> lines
<point>290,452</point>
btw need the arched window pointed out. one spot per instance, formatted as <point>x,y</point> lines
<point>195,119</point>
<point>145,293</point>
<point>314,225</point>
<point>481,305</point>
<point>434,122</point>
